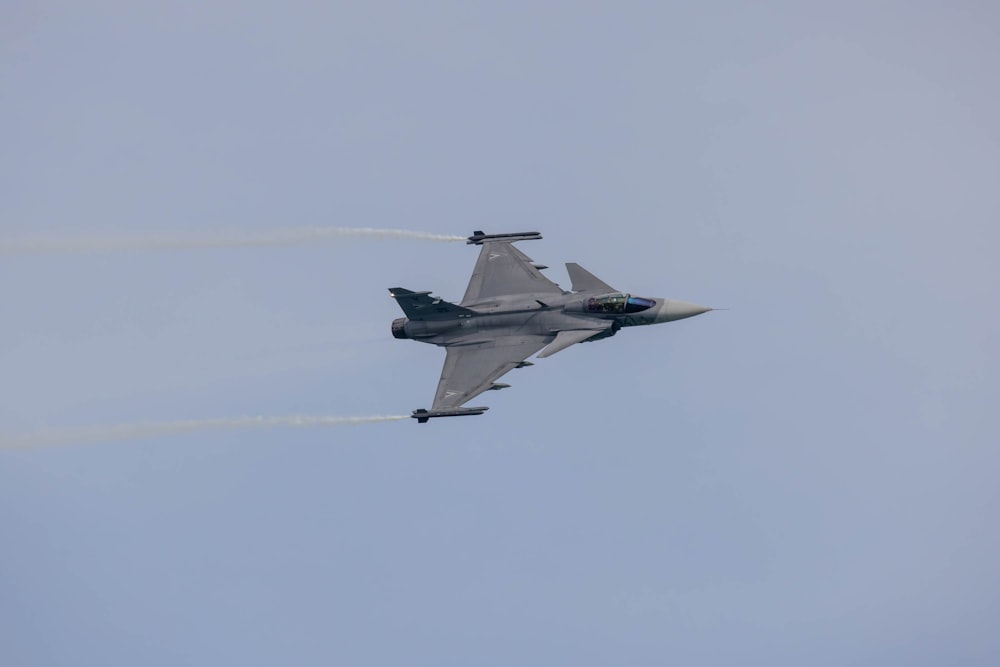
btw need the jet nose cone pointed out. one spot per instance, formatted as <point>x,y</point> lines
<point>675,309</point>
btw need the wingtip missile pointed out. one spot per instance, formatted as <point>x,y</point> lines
<point>422,415</point>
<point>478,237</point>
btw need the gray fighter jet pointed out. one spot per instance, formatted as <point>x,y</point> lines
<point>511,311</point>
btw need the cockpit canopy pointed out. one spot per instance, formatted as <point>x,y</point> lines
<point>617,304</point>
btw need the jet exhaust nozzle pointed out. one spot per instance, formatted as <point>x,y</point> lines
<point>399,328</point>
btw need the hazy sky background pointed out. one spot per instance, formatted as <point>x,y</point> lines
<point>808,478</point>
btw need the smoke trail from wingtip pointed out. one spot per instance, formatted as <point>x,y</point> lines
<point>141,431</point>
<point>206,239</point>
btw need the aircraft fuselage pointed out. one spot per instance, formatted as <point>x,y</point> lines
<point>535,316</point>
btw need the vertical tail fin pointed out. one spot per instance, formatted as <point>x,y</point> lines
<point>422,306</point>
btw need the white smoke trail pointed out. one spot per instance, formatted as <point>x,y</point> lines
<point>154,429</point>
<point>206,239</point>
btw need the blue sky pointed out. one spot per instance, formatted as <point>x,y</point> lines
<point>808,477</point>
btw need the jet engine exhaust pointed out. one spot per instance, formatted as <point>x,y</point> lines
<point>142,431</point>
<point>207,239</point>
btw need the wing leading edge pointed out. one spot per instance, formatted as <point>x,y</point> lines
<point>502,270</point>
<point>469,370</point>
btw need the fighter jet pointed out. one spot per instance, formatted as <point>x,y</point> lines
<point>509,312</point>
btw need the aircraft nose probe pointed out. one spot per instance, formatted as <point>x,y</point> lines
<point>674,309</point>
